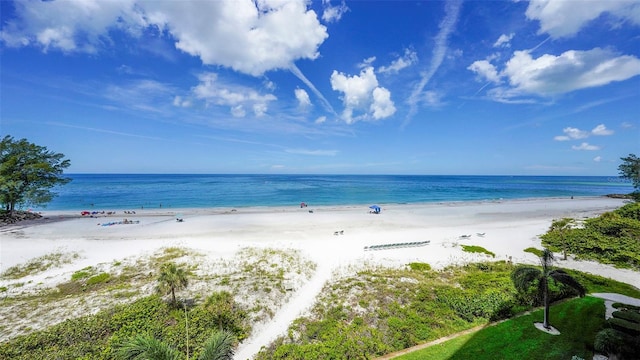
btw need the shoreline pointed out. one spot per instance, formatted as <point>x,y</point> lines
<point>211,210</point>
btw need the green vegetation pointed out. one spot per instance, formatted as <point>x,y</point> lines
<point>477,249</point>
<point>420,266</point>
<point>218,347</point>
<point>534,251</point>
<point>27,173</point>
<point>100,336</point>
<point>527,277</point>
<point>630,170</point>
<point>39,264</point>
<point>613,238</point>
<point>577,320</point>
<point>172,278</point>
<point>380,311</point>
<point>621,337</point>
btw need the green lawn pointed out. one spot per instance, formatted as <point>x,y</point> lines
<point>578,321</point>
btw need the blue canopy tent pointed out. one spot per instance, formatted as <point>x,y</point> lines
<point>375,208</point>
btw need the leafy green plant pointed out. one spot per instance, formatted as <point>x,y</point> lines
<point>477,249</point>
<point>419,266</point>
<point>534,251</point>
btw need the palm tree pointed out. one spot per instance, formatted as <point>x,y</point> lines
<point>145,347</point>
<point>560,226</point>
<point>172,278</point>
<point>525,276</point>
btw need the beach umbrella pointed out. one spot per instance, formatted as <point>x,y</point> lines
<point>375,208</point>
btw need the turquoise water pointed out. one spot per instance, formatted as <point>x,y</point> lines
<point>130,191</point>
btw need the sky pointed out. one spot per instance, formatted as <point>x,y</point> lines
<point>541,87</point>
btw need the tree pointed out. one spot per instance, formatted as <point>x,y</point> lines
<point>220,346</point>
<point>28,172</point>
<point>172,278</point>
<point>630,170</point>
<point>526,276</point>
<point>560,227</point>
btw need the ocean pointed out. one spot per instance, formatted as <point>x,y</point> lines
<point>153,191</point>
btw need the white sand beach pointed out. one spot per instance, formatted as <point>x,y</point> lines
<point>333,237</point>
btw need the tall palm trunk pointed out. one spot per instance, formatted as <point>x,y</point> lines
<point>545,322</point>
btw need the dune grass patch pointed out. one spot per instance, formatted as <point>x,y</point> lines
<point>39,264</point>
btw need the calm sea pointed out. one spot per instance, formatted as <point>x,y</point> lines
<point>130,191</point>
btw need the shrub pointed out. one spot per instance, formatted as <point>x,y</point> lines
<point>98,279</point>
<point>477,249</point>
<point>420,266</point>
<point>608,341</point>
<point>625,306</point>
<point>534,251</point>
<point>625,326</point>
<point>631,316</point>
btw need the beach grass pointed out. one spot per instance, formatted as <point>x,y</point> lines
<point>39,264</point>
<point>578,321</point>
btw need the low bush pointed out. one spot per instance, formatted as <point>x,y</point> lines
<point>632,316</point>
<point>420,266</point>
<point>477,249</point>
<point>625,326</point>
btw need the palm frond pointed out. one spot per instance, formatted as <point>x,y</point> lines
<point>523,277</point>
<point>146,347</point>
<point>561,276</point>
<point>219,346</point>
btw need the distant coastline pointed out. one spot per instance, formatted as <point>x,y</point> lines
<point>175,191</point>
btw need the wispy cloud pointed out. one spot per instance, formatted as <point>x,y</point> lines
<point>586,147</point>
<point>452,9</point>
<point>104,131</point>
<point>325,103</point>
<point>312,152</point>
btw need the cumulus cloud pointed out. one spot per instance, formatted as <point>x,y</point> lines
<point>597,159</point>
<point>504,40</point>
<point>485,70</point>
<point>361,93</point>
<point>601,130</point>
<point>409,58</point>
<point>266,35</point>
<point>321,119</point>
<point>585,146</point>
<point>571,133</point>
<point>550,75</point>
<point>333,13</point>
<point>560,18</point>
<point>303,98</point>
<point>238,98</point>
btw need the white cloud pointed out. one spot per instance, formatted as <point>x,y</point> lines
<point>362,93</point>
<point>597,158</point>
<point>321,119</point>
<point>409,58</point>
<point>486,70</point>
<point>550,75</point>
<point>382,106</point>
<point>266,34</point>
<point>561,18</point>
<point>601,130</point>
<point>216,92</point>
<point>504,40</point>
<point>585,146</point>
<point>333,13</point>
<point>303,98</point>
<point>572,134</point>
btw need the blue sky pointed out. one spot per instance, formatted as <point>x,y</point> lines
<point>331,87</point>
